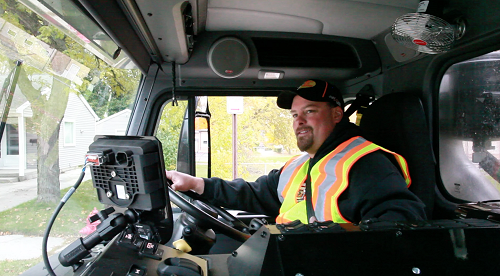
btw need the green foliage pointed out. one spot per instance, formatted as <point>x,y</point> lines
<point>48,92</point>
<point>104,100</point>
<point>261,124</point>
<point>22,17</point>
<point>221,131</point>
<point>272,126</point>
<point>169,130</point>
<point>54,37</point>
<point>118,85</point>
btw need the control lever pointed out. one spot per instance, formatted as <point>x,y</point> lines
<point>110,226</point>
<point>179,266</point>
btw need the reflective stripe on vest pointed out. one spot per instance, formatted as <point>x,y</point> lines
<point>329,178</point>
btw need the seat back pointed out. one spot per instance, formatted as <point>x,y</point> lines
<point>397,122</point>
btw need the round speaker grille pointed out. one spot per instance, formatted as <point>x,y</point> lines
<point>229,57</point>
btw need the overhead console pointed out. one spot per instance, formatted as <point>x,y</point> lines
<point>256,59</point>
<point>174,43</point>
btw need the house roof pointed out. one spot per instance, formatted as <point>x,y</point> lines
<point>87,105</point>
<point>118,114</point>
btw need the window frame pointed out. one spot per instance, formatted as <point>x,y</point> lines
<point>73,143</point>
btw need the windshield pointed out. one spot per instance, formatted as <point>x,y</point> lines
<point>60,88</point>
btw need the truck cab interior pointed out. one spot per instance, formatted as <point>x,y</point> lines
<point>420,78</point>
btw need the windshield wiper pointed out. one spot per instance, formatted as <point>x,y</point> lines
<point>8,89</point>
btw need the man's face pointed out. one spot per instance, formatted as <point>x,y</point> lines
<point>313,122</point>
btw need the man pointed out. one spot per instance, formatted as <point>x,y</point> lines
<point>350,179</point>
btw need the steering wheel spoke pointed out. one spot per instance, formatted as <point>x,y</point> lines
<point>215,224</point>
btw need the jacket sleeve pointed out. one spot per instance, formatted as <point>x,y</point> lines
<point>378,190</point>
<point>259,197</point>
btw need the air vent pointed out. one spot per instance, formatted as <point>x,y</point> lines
<point>305,53</point>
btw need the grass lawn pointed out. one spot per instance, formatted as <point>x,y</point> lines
<point>18,266</point>
<point>30,218</point>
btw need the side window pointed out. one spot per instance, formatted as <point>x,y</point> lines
<point>469,128</point>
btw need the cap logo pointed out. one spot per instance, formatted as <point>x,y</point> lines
<point>333,98</point>
<point>307,84</point>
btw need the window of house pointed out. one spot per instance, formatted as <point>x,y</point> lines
<point>69,133</point>
<point>72,71</point>
<point>12,139</point>
<point>469,128</point>
<point>11,32</point>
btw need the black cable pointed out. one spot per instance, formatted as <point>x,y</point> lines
<point>174,98</point>
<point>53,218</point>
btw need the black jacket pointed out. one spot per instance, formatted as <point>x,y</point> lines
<point>376,187</point>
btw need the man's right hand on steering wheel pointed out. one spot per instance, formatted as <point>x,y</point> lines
<point>185,182</point>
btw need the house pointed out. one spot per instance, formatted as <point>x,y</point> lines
<point>78,129</point>
<point>18,154</point>
<point>114,124</point>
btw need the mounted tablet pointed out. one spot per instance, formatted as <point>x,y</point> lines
<point>128,171</point>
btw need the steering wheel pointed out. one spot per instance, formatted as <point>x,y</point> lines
<point>214,223</point>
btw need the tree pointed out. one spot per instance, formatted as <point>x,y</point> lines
<point>221,130</point>
<point>48,111</point>
<point>168,132</point>
<point>262,122</point>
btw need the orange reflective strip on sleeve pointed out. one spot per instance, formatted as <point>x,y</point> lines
<point>402,164</point>
<point>404,167</point>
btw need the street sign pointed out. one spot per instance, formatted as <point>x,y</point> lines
<point>235,105</point>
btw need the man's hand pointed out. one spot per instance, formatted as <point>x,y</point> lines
<point>185,182</point>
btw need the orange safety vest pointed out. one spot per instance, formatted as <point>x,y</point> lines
<point>329,178</point>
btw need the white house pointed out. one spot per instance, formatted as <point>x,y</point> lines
<point>115,124</point>
<point>78,129</point>
<point>18,145</point>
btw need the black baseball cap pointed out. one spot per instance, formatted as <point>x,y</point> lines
<point>312,90</point>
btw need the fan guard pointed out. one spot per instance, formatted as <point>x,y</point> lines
<point>424,33</point>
